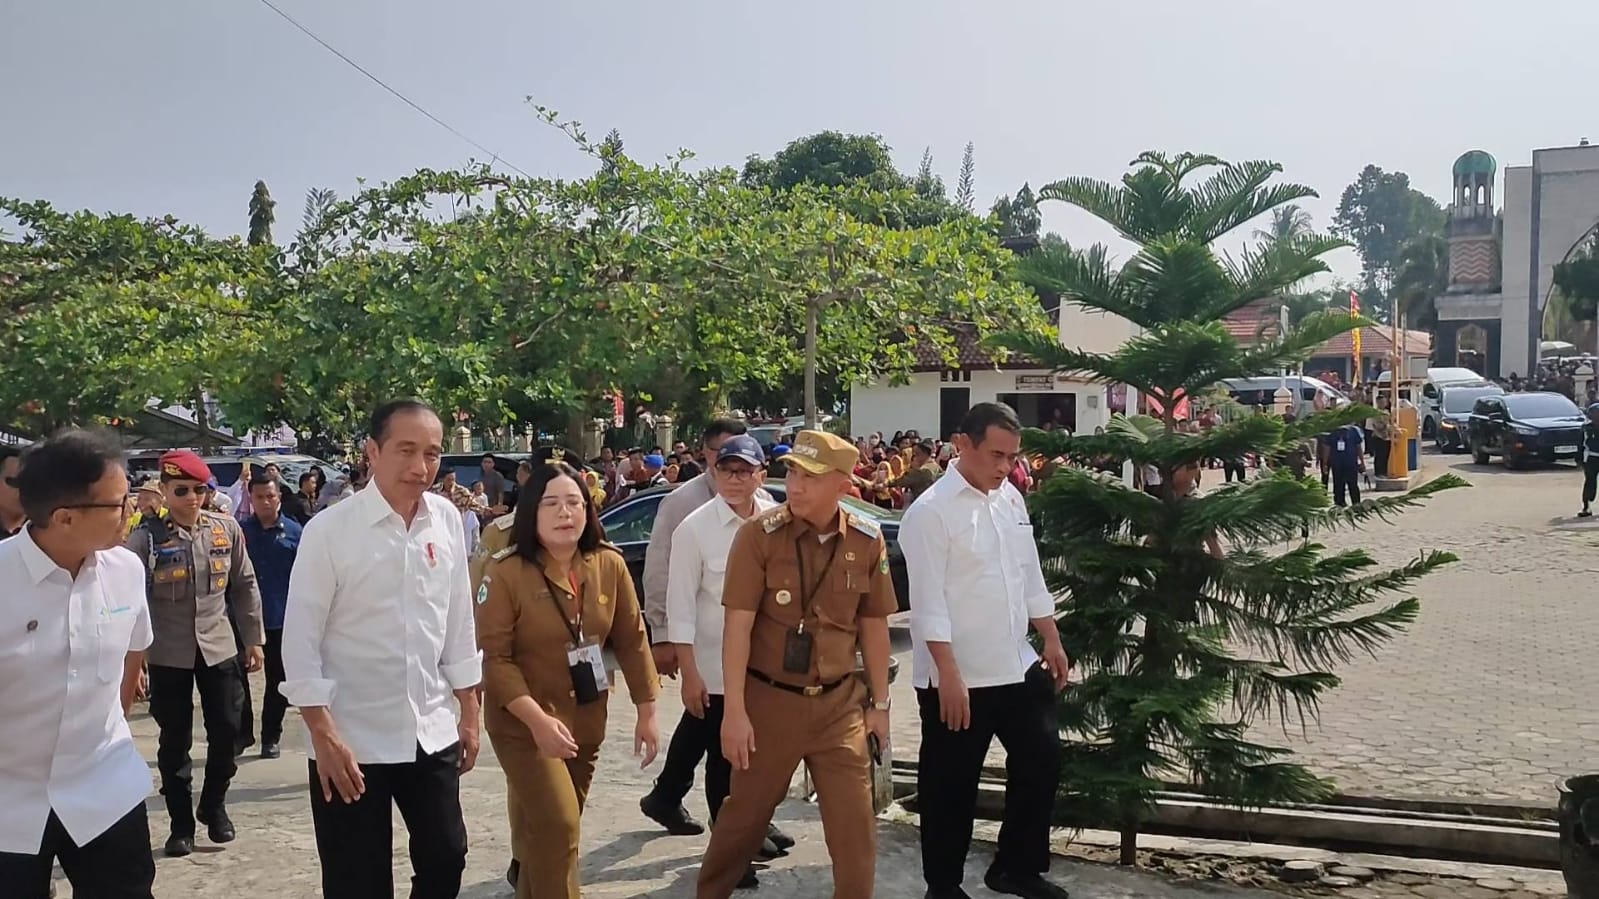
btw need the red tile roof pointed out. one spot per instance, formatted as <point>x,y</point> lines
<point>969,353</point>
<point>1244,324</point>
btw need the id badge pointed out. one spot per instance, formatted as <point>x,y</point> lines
<point>589,678</point>
<point>1340,446</point>
<point>797,652</point>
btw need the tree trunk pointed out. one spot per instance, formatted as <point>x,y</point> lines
<point>1129,844</point>
<point>811,314</point>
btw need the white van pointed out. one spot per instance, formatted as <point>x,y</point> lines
<point>1263,391</point>
<point>1430,407</point>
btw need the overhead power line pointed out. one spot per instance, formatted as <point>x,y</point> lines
<point>494,157</point>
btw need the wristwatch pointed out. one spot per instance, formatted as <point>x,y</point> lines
<point>880,706</point>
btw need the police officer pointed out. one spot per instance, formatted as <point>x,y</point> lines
<point>807,583</point>
<point>197,572</point>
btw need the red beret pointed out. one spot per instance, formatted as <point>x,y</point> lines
<point>184,465</point>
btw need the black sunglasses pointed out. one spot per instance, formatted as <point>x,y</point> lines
<point>184,490</point>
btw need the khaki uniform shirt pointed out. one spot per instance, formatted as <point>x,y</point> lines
<point>496,537</point>
<point>524,640</point>
<point>194,579</point>
<point>763,576</point>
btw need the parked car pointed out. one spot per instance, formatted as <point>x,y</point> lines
<point>628,524</point>
<point>1263,391</point>
<point>1431,405</point>
<point>1525,427</point>
<point>468,467</point>
<point>228,465</point>
<point>1455,403</point>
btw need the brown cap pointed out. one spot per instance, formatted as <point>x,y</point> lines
<point>819,452</point>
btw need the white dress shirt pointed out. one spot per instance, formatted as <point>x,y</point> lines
<point>975,581</point>
<point>64,741</point>
<point>694,612</point>
<point>379,625</point>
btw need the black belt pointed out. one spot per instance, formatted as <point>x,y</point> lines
<point>814,690</point>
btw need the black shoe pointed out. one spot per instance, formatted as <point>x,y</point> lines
<point>511,872</point>
<point>270,749</point>
<point>749,881</point>
<point>778,838</point>
<point>218,826</point>
<point>947,893</point>
<point>676,819</point>
<point>769,850</point>
<point>178,846</point>
<point>1028,886</point>
<point>242,746</point>
<point>1585,513</point>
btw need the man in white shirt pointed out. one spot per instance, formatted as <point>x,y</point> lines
<point>694,614</point>
<point>73,629</point>
<point>378,648</point>
<point>976,585</point>
<point>693,738</point>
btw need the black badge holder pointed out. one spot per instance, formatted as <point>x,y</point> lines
<point>799,645</point>
<point>584,688</point>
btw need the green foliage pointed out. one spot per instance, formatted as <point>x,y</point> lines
<point>1577,279</point>
<point>1422,278</point>
<point>826,159</point>
<point>1181,651</point>
<point>1380,213</point>
<point>261,215</point>
<point>1016,216</point>
<point>965,187</point>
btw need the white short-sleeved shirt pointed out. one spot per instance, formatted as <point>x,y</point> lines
<point>975,581</point>
<point>694,613</point>
<point>64,740</point>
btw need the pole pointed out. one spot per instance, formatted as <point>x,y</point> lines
<point>810,364</point>
<point>1398,466</point>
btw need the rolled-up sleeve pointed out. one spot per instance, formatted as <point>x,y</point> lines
<point>925,542</point>
<point>305,620</point>
<point>460,662</point>
<point>683,585</point>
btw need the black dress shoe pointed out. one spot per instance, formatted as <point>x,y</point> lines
<point>270,749</point>
<point>1028,886</point>
<point>779,839</point>
<point>178,846</point>
<point>675,818</point>
<point>511,872</point>
<point>769,850</point>
<point>218,826</point>
<point>947,893</point>
<point>749,881</point>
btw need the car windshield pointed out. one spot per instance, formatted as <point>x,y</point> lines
<point>1541,405</point>
<point>1461,399</point>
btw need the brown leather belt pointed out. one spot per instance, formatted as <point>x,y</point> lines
<point>814,690</point>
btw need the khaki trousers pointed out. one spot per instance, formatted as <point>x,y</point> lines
<point>827,733</point>
<point>545,800</point>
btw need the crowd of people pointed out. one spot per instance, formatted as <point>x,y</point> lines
<point>399,643</point>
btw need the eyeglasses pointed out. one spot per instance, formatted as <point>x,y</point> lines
<point>121,506</point>
<point>184,490</point>
<point>735,474</point>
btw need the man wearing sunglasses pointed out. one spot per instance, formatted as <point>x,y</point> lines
<point>197,573</point>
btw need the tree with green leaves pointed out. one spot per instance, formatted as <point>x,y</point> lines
<point>104,313</point>
<point>1183,647</point>
<point>965,186</point>
<point>826,159</point>
<point>1380,213</point>
<point>1422,277</point>
<point>1017,216</point>
<point>1287,222</point>
<point>261,215</point>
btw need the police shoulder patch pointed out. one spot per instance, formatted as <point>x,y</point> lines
<point>504,522</point>
<point>483,592</point>
<point>865,526</point>
<point>503,553</point>
<point>776,518</point>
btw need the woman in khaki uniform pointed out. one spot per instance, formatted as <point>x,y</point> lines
<point>548,603</point>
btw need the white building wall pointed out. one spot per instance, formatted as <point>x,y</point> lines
<point>1092,331</point>
<point>915,406</point>
<point>1514,272</point>
<point>1568,192</point>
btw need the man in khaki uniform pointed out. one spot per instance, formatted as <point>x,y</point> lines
<point>198,570</point>
<point>807,583</point>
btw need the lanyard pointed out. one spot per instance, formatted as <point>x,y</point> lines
<point>808,588</point>
<point>577,630</point>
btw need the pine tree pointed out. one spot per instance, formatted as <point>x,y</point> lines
<point>261,216</point>
<point>927,184</point>
<point>964,188</point>
<point>1183,646</point>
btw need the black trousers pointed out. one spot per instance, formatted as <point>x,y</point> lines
<point>274,705</point>
<point>1231,468</point>
<point>172,706</point>
<point>1345,485</point>
<point>694,739</point>
<point>950,763</point>
<point>1380,448</point>
<point>117,864</point>
<point>355,841</point>
<point>1590,480</point>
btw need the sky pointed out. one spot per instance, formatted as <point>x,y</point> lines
<point>179,106</point>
